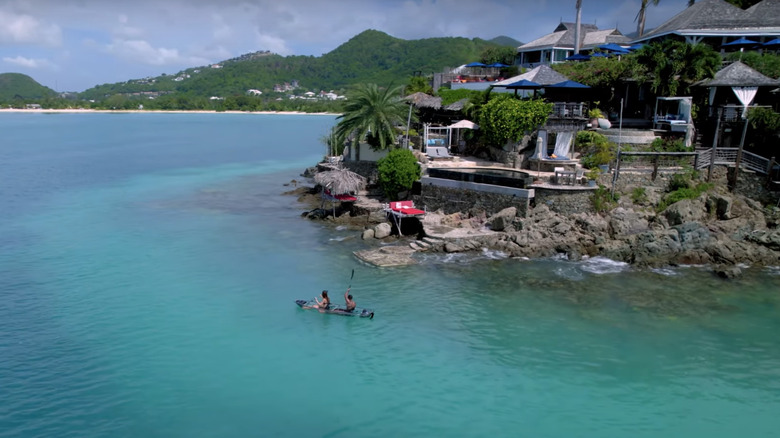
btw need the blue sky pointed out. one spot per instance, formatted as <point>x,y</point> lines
<point>72,45</point>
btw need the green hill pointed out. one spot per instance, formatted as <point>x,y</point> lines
<point>506,41</point>
<point>370,56</point>
<point>22,87</point>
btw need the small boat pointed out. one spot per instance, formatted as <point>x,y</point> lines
<point>338,310</point>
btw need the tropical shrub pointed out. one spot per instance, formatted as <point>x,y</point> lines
<point>594,148</point>
<point>603,200</point>
<point>639,195</point>
<point>397,172</point>
<point>669,144</point>
<point>673,66</point>
<point>505,118</point>
<point>683,193</point>
<point>419,84</point>
<point>765,63</point>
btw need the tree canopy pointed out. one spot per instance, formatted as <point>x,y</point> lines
<point>372,113</point>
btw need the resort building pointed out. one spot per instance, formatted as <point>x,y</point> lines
<point>717,23</point>
<point>558,45</point>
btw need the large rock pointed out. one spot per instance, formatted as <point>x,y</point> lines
<point>591,223</point>
<point>387,256</point>
<point>368,234</point>
<point>625,222</point>
<point>382,230</point>
<point>656,248</point>
<point>503,219</point>
<point>693,235</point>
<point>769,239</point>
<point>687,210</point>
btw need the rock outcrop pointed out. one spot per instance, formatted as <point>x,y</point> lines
<point>720,229</point>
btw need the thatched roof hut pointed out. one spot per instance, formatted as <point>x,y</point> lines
<point>422,100</point>
<point>340,181</point>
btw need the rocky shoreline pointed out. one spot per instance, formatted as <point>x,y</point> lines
<point>724,230</point>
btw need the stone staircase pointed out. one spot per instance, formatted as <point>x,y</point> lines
<point>630,136</point>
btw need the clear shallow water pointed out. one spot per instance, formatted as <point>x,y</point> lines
<point>148,270</point>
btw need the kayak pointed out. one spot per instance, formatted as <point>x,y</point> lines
<point>340,310</point>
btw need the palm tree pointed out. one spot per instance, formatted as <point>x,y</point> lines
<point>373,113</point>
<point>640,17</point>
<point>578,5</point>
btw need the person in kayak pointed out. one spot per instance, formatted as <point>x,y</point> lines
<point>348,299</point>
<point>324,304</point>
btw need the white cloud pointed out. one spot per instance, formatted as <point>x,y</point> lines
<point>272,43</point>
<point>26,29</point>
<point>142,52</point>
<point>31,63</point>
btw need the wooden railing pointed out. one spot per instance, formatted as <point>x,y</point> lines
<point>700,159</point>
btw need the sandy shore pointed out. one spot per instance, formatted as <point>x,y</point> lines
<point>82,110</point>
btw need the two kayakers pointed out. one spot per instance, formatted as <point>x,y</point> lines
<point>325,303</point>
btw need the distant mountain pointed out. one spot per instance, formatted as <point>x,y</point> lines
<point>505,41</point>
<point>19,86</point>
<point>371,56</point>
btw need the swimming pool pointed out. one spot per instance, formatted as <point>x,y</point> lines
<point>498,177</point>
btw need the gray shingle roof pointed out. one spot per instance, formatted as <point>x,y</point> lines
<point>542,75</point>
<point>738,74</point>
<point>765,13</point>
<point>563,37</point>
<point>719,16</point>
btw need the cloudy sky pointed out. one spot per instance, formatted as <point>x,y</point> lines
<point>72,45</point>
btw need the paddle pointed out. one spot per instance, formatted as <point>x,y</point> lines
<point>350,279</point>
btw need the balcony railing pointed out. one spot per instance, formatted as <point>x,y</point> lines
<point>569,110</point>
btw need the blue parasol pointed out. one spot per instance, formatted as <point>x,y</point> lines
<point>775,43</point>
<point>524,83</point>
<point>568,84</point>
<point>476,64</point>
<point>741,43</point>
<point>578,57</point>
<point>612,47</point>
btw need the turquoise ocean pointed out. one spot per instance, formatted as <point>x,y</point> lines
<point>149,265</point>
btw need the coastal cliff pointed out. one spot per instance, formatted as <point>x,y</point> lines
<point>719,228</point>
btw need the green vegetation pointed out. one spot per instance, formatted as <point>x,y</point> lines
<point>594,148</point>
<point>639,195</point>
<point>451,96</point>
<point>673,66</point>
<point>669,144</point>
<point>505,118</point>
<point>372,114</point>
<point>22,89</point>
<point>418,84</point>
<point>595,113</point>
<point>504,55</point>
<point>603,200</point>
<point>681,186</point>
<point>602,72</point>
<point>767,63</point>
<point>397,172</point>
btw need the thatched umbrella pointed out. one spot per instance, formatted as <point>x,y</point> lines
<point>340,181</point>
<point>338,184</point>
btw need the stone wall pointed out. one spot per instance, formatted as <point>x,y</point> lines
<point>451,200</point>
<point>566,202</point>
<point>750,184</point>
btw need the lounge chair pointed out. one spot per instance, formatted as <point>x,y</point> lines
<point>405,208</point>
<point>438,152</point>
